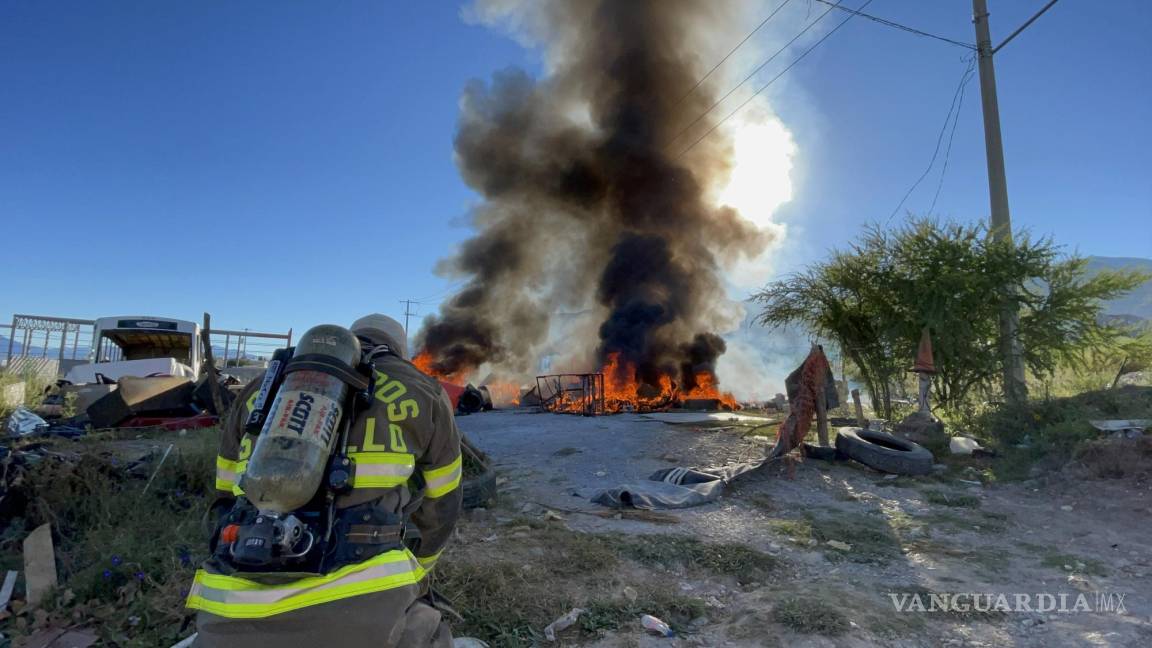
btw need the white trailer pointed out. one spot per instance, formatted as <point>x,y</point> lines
<point>138,345</point>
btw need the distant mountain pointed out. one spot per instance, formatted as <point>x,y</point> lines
<point>1139,301</point>
<point>38,351</point>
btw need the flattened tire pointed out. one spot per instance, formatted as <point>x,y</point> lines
<point>479,490</point>
<point>884,452</point>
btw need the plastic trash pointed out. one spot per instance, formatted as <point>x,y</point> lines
<point>656,626</point>
<point>959,445</point>
<point>22,422</point>
<point>186,642</point>
<point>468,642</point>
<point>563,623</point>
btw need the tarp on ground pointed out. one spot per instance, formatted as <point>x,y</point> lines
<point>672,488</point>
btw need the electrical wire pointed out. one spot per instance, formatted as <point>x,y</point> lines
<point>939,138</point>
<point>896,25</point>
<point>952,135</point>
<point>747,78</point>
<point>733,51</point>
<point>447,291</point>
<point>775,78</point>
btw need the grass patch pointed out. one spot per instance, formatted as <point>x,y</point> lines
<point>125,557</point>
<point>901,481</point>
<point>34,390</point>
<point>796,529</point>
<point>1047,433</point>
<point>988,562</point>
<point>1073,564</point>
<point>501,602</point>
<point>810,616</point>
<point>1116,458</point>
<point>761,501</point>
<point>987,523</point>
<point>958,500</point>
<point>745,564</point>
<point>613,614</point>
<point>872,539</point>
<point>509,601</point>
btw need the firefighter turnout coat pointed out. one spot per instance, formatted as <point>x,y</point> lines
<point>404,444</point>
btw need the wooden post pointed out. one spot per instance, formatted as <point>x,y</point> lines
<point>210,366</point>
<point>822,416</point>
<point>1119,372</point>
<point>860,421</point>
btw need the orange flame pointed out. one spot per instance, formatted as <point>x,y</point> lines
<point>623,392</point>
<point>504,393</point>
<point>426,364</point>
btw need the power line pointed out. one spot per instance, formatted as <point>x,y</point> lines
<point>450,289</point>
<point>910,30</point>
<point>775,78</point>
<point>1024,26</point>
<point>952,135</point>
<point>747,78</point>
<point>733,51</point>
<point>939,138</point>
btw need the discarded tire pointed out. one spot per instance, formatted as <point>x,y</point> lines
<point>479,490</point>
<point>884,452</point>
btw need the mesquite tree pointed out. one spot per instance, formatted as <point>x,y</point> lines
<point>874,298</point>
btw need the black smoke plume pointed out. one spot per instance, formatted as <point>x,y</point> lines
<point>588,205</point>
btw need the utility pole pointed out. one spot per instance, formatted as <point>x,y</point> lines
<point>1011,353</point>
<point>408,312</point>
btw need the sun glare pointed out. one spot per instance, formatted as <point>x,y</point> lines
<point>761,178</point>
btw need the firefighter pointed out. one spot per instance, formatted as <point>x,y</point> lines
<point>407,458</point>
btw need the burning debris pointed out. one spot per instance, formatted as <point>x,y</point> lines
<point>588,207</point>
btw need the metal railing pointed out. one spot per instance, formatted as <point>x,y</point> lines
<point>44,336</point>
<point>67,341</point>
<point>572,393</point>
<point>245,347</point>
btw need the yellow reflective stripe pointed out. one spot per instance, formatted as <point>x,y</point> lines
<point>441,481</point>
<point>427,561</point>
<point>228,474</point>
<point>382,469</point>
<point>238,598</point>
<point>251,403</point>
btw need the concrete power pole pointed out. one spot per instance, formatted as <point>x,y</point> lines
<point>1015,387</point>
<point>408,312</point>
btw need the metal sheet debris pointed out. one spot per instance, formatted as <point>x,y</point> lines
<point>6,589</point>
<point>39,564</point>
<point>1132,427</point>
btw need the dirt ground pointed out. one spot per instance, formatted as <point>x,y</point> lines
<point>939,534</point>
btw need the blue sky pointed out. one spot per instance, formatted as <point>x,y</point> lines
<point>285,163</point>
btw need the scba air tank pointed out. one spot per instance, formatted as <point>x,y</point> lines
<point>291,454</point>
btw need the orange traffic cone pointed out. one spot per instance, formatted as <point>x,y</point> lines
<point>924,362</point>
